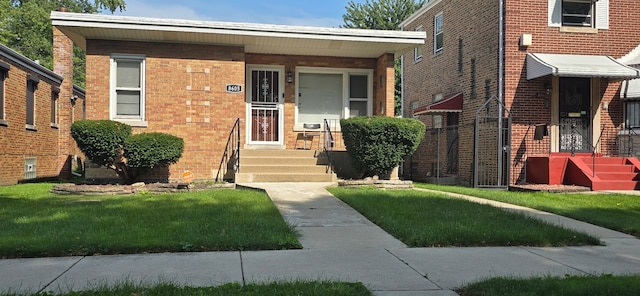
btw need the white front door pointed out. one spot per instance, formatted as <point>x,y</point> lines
<point>265,101</point>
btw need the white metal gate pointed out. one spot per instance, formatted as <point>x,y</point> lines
<point>265,98</point>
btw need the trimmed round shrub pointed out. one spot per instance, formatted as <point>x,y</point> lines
<point>148,150</point>
<point>100,140</point>
<point>378,144</point>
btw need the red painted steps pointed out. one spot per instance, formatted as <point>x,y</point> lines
<point>603,173</point>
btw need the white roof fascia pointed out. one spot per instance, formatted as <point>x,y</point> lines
<point>243,29</point>
<point>418,13</point>
<point>567,65</point>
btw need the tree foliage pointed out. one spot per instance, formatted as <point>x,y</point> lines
<point>382,15</point>
<point>25,27</point>
<point>378,144</point>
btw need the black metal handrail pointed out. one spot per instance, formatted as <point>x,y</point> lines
<point>593,151</point>
<point>329,142</point>
<point>231,155</point>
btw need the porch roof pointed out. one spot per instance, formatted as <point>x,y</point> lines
<point>452,103</point>
<point>255,38</point>
<point>630,89</point>
<point>568,65</point>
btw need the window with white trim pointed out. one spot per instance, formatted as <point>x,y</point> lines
<point>438,38</point>
<point>633,113</point>
<point>578,13</point>
<point>414,106</point>
<point>128,89</point>
<point>417,51</point>
<point>358,95</point>
<point>55,94</point>
<point>332,94</point>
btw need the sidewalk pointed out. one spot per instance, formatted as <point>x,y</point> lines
<point>339,244</point>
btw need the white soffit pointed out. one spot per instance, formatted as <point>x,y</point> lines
<point>255,38</point>
<point>567,65</point>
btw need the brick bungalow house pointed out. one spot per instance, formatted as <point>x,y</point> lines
<point>36,106</point>
<point>215,84</point>
<point>516,91</point>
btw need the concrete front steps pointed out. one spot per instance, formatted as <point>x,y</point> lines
<point>283,166</point>
<point>604,173</point>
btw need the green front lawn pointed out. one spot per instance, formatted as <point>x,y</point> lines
<point>36,223</point>
<point>570,286</point>
<point>422,219</point>
<point>317,288</point>
<point>614,211</point>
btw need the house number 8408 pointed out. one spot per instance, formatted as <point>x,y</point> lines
<point>234,88</point>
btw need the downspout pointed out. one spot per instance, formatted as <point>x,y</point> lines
<point>402,86</point>
<point>501,54</point>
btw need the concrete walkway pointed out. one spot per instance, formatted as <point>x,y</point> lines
<point>339,244</point>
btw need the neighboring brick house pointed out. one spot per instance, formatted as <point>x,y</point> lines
<point>34,109</point>
<point>194,79</point>
<point>551,66</point>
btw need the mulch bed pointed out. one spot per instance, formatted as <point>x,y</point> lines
<point>385,184</point>
<point>117,189</point>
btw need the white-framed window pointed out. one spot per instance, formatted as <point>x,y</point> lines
<point>578,13</point>
<point>332,94</point>
<point>127,99</point>
<point>633,114</point>
<point>358,95</point>
<point>437,121</point>
<point>438,30</point>
<point>417,51</point>
<point>414,106</point>
<point>55,94</point>
<point>437,97</point>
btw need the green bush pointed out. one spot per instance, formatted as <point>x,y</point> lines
<point>110,143</point>
<point>148,150</point>
<point>100,140</point>
<point>378,144</point>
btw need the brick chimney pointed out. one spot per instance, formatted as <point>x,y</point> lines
<point>63,66</point>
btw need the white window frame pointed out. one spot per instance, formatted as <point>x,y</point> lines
<point>135,121</point>
<point>438,17</point>
<point>418,50</point>
<point>601,19</point>
<point>55,96</point>
<point>346,100</point>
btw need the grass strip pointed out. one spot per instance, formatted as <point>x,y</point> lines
<point>421,219</point>
<point>315,288</point>
<point>36,223</point>
<point>569,286</point>
<point>620,212</point>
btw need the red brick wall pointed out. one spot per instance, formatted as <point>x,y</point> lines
<point>16,142</point>
<point>169,103</point>
<point>468,22</point>
<point>476,24</point>
<point>521,96</point>
<point>291,62</point>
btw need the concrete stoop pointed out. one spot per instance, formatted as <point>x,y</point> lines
<point>284,166</point>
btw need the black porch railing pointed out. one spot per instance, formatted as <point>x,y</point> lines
<point>230,162</point>
<point>329,143</point>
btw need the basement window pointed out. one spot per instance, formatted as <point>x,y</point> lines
<point>30,168</point>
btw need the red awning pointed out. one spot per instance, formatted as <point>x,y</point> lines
<point>452,103</point>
